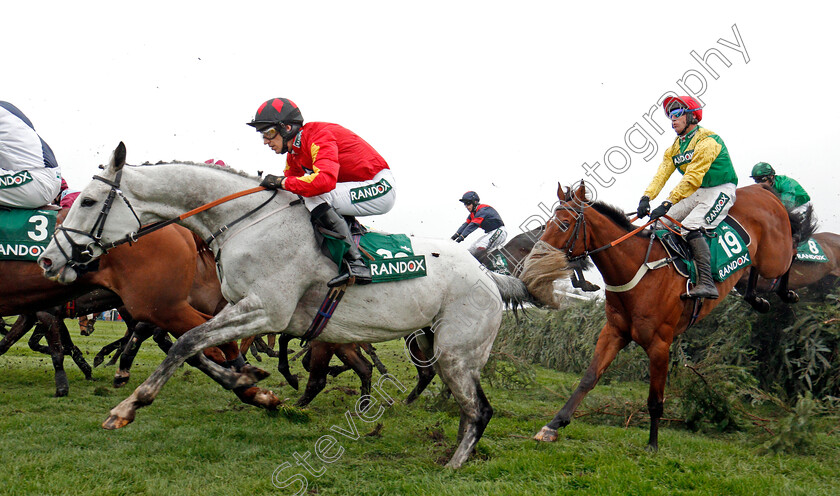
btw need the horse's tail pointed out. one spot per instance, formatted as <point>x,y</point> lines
<point>542,267</point>
<point>514,292</point>
<point>803,225</point>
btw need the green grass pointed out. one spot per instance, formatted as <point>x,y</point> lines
<point>198,439</point>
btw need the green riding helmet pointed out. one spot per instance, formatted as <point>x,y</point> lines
<point>762,169</point>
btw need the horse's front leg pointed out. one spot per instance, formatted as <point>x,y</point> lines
<point>235,322</point>
<point>658,353</point>
<point>610,342</point>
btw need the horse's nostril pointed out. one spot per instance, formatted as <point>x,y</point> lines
<point>46,263</point>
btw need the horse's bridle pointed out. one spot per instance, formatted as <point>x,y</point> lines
<point>83,254</point>
<point>579,225</point>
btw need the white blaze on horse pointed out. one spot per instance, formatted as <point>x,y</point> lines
<point>274,276</point>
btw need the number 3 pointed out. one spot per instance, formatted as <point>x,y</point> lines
<point>40,233</point>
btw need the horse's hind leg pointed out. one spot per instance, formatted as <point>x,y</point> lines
<point>419,353</point>
<point>476,411</point>
<point>787,295</point>
<point>142,332</point>
<point>62,386</point>
<point>17,331</point>
<point>319,365</point>
<point>610,342</point>
<point>283,360</point>
<point>351,355</point>
<point>39,333</point>
<point>759,304</point>
<point>75,352</point>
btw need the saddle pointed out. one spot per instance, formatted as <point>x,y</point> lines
<point>728,245</point>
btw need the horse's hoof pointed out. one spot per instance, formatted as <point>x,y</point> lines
<point>97,361</point>
<point>652,448</point>
<point>546,435</point>
<point>792,297</point>
<point>62,392</point>
<point>293,381</point>
<point>121,380</point>
<point>256,373</point>
<point>761,305</point>
<point>115,422</point>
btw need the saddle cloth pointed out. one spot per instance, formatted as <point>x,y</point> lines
<point>390,257</point>
<point>811,251</point>
<point>728,245</point>
<point>24,234</point>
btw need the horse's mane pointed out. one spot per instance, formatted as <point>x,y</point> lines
<point>227,169</point>
<point>617,215</point>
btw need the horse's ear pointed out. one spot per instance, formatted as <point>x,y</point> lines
<point>119,157</point>
<point>579,195</point>
<point>561,193</point>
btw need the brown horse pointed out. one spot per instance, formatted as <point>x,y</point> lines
<point>804,274</point>
<point>166,290</point>
<point>651,313</point>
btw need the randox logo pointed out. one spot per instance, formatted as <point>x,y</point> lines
<point>714,212</point>
<point>398,268</point>
<point>683,158</point>
<point>811,257</point>
<point>20,250</point>
<point>366,193</point>
<point>15,180</point>
<point>734,265</point>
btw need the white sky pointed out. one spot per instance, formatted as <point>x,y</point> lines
<point>487,96</point>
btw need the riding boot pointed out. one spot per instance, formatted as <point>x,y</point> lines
<point>326,216</point>
<point>580,282</point>
<point>705,287</point>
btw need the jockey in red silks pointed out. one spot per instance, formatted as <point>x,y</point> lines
<point>334,170</point>
<point>29,173</point>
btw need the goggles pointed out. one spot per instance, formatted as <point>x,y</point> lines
<point>270,133</point>
<point>679,112</point>
<point>761,179</point>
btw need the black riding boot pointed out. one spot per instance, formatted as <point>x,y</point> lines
<point>325,216</point>
<point>580,282</point>
<point>705,287</point>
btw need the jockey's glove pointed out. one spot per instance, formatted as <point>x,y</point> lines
<point>271,181</point>
<point>660,210</point>
<point>644,207</point>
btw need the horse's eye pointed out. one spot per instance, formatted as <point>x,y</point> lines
<point>88,202</point>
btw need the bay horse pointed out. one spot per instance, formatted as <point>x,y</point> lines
<point>804,274</point>
<point>134,273</point>
<point>650,313</point>
<point>274,276</point>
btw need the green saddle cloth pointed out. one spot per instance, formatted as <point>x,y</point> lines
<point>389,256</point>
<point>728,249</point>
<point>811,251</point>
<point>24,234</point>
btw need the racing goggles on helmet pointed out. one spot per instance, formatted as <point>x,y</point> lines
<point>761,179</point>
<point>679,112</point>
<point>270,133</point>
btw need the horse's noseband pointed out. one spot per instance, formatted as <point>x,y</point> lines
<point>83,254</point>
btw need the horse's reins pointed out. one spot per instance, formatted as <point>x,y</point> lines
<point>570,245</point>
<point>77,251</point>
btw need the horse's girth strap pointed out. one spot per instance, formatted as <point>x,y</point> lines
<point>645,267</point>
